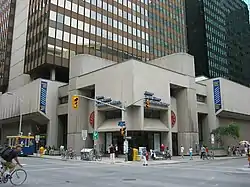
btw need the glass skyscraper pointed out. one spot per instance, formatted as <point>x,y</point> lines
<point>217,35</point>
<point>117,30</point>
<point>7,11</point>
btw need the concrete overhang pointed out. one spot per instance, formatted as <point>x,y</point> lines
<point>233,115</point>
<point>38,117</point>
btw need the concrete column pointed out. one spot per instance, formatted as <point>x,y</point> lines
<point>52,74</point>
<point>78,121</point>
<point>187,118</point>
<point>170,130</point>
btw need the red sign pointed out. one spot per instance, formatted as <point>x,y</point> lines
<point>92,119</point>
<point>173,118</point>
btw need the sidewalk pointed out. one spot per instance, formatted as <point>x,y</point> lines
<point>106,160</point>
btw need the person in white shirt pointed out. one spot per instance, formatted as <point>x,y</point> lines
<point>182,152</point>
<point>191,153</point>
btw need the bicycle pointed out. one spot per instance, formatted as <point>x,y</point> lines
<point>97,157</point>
<point>15,174</point>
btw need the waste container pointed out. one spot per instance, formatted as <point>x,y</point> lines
<point>135,154</point>
<point>87,154</point>
<point>130,154</point>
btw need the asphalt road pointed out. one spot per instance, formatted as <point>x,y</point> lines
<point>56,173</point>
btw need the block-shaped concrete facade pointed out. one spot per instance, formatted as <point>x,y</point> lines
<point>127,82</point>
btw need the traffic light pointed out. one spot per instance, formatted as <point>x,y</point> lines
<point>75,102</point>
<point>123,131</point>
<point>147,103</point>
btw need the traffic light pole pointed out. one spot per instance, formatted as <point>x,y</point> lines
<point>98,101</point>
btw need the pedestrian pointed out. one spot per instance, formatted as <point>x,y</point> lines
<point>112,153</point>
<point>162,148</point>
<point>191,153</point>
<point>203,150</point>
<point>116,150</point>
<point>182,152</point>
<point>144,156</point>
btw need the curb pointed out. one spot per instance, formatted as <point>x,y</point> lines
<point>131,162</point>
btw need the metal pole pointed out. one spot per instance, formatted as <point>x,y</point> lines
<point>125,136</point>
<point>91,99</point>
<point>21,116</point>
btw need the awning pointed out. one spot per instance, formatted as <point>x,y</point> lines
<point>154,125</point>
<point>110,125</point>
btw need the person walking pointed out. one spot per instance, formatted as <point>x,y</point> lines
<point>112,153</point>
<point>144,156</point>
<point>203,150</point>
<point>191,153</point>
<point>182,152</point>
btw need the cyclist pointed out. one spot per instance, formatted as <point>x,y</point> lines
<point>7,155</point>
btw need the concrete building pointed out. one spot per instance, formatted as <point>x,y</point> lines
<point>183,110</point>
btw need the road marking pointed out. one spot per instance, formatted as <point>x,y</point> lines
<point>212,170</point>
<point>49,169</point>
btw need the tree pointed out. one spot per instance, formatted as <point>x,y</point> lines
<point>232,130</point>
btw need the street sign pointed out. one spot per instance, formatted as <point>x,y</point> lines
<point>95,135</point>
<point>129,137</point>
<point>125,147</point>
<point>84,134</point>
<point>212,138</point>
<point>121,124</point>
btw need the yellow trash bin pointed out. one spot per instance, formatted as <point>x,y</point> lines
<point>135,154</point>
<point>41,151</point>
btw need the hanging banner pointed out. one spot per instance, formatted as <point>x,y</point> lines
<point>217,95</point>
<point>43,96</point>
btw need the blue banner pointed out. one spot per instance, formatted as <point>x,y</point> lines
<point>217,95</point>
<point>43,96</point>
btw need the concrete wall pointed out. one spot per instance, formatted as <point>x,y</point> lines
<point>10,104</point>
<point>201,89</point>
<point>175,110</point>
<point>51,112</point>
<point>115,82</point>
<point>63,90</point>
<point>16,77</point>
<point>180,62</point>
<point>235,97</point>
<point>84,63</point>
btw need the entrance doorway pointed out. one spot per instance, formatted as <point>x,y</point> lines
<point>175,144</point>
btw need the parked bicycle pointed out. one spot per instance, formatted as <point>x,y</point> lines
<point>17,177</point>
<point>68,154</point>
<point>97,156</point>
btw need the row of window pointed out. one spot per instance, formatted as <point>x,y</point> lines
<point>217,24</point>
<point>79,40</point>
<point>102,18</point>
<point>109,7</point>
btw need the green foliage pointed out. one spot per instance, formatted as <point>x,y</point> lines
<point>232,130</point>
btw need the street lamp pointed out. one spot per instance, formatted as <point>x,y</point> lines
<point>20,112</point>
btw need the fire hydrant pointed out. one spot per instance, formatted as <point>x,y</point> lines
<point>41,151</point>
